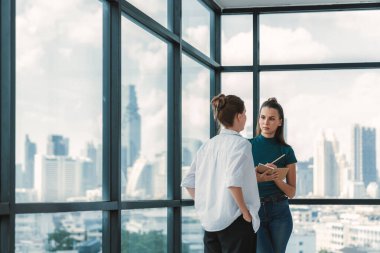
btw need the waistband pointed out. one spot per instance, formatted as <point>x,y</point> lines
<point>273,199</point>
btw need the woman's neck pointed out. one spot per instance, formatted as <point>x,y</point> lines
<point>233,128</point>
<point>268,135</point>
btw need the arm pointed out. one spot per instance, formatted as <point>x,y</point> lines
<point>191,191</point>
<point>288,187</point>
<point>237,194</point>
<point>189,180</point>
<point>263,177</point>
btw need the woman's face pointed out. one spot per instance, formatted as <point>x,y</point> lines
<point>269,121</point>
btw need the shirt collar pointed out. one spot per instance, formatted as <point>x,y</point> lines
<point>228,131</point>
<point>270,140</point>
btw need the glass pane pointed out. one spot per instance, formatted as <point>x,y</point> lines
<point>156,9</point>
<point>348,36</point>
<point>196,25</point>
<point>58,100</point>
<point>241,85</point>
<point>237,40</point>
<point>331,122</point>
<point>144,114</point>
<point>144,231</point>
<point>192,232</point>
<point>335,229</point>
<point>195,111</point>
<point>59,232</point>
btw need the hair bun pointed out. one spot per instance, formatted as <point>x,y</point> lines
<point>219,102</point>
<point>273,99</point>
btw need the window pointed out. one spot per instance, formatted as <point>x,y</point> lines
<point>196,25</point>
<point>195,111</point>
<point>78,231</point>
<point>144,114</point>
<point>303,38</point>
<point>58,101</point>
<point>237,40</point>
<point>331,123</point>
<point>241,85</point>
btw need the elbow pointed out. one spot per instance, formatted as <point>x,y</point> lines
<point>292,194</point>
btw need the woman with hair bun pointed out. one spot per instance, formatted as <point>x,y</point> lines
<point>269,148</point>
<point>220,182</point>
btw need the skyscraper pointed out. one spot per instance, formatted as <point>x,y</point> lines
<point>326,169</point>
<point>57,145</point>
<point>304,177</point>
<point>30,152</point>
<point>57,177</point>
<point>130,128</point>
<point>91,166</point>
<point>189,150</point>
<point>364,154</point>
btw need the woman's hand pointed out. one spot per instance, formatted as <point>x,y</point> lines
<point>247,216</point>
<point>267,176</point>
<point>271,165</point>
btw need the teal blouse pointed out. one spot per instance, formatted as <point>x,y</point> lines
<point>266,150</point>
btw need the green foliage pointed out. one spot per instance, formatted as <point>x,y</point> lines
<point>60,240</point>
<point>150,242</point>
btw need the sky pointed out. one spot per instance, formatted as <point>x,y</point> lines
<point>59,72</point>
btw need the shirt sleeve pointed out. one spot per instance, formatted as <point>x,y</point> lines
<point>238,163</point>
<point>290,157</point>
<point>189,180</point>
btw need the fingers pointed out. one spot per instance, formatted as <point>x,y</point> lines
<point>247,217</point>
<point>271,165</point>
<point>267,176</point>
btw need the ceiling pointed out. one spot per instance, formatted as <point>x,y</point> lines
<point>270,3</point>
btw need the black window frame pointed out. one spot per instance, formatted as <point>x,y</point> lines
<point>112,205</point>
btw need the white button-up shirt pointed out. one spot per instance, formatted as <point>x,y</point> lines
<point>223,161</point>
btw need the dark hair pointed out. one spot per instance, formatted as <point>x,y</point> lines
<point>226,107</point>
<point>279,135</point>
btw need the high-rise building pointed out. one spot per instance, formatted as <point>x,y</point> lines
<point>326,169</point>
<point>28,173</point>
<point>189,150</point>
<point>57,145</point>
<point>58,178</point>
<point>364,154</point>
<point>88,180</point>
<point>19,176</point>
<point>140,180</point>
<point>91,165</point>
<point>130,129</point>
<point>305,177</point>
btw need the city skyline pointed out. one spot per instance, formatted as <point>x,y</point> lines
<point>339,176</point>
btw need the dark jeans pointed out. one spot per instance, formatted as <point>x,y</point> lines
<point>239,237</point>
<point>276,225</point>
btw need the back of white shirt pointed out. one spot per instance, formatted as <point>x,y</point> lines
<point>223,161</point>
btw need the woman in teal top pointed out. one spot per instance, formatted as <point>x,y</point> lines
<point>269,144</point>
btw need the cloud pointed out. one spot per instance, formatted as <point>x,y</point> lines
<point>196,104</point>
<point>198,37</point>
<point>283,45</point>
<point>58,71</point>
<point>156,9</point>
<point>238,49</point>
<point>241,85</point>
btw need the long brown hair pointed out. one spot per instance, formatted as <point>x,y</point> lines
<point>279,135</point>
<point>225,108</point>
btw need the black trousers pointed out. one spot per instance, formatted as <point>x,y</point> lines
<point>239,237</point>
